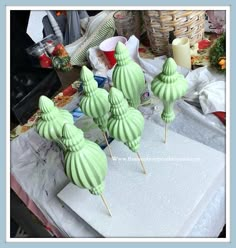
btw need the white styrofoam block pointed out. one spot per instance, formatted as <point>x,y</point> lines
<point>167,202</point>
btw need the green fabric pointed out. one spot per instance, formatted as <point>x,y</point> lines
<point>105,30</point>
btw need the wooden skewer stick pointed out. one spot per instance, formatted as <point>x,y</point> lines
<point>165,133</point>
<point>105,137</point>
<point>105,203</point>
<point>144,170</point>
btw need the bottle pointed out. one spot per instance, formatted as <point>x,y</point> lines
<point>171,38</point>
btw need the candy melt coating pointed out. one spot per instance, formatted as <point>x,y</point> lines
<point>52,119</point>
<point>85,162</point>
<point>128,76</point>
<point>125,123</point>
<point>169,86</point>
<point>95,102</point>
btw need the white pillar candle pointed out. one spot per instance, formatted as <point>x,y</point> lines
<point>181,52</point>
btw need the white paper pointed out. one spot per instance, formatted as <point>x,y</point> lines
<point>35,25</point>
<point>207,87</point>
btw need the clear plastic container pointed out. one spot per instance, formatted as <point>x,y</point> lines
<point>49,43</point>
<point>57,52</point>
<point>49,52</point>
<point>39,56</point>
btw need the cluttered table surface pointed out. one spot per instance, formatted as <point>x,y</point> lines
<point>37,165</point>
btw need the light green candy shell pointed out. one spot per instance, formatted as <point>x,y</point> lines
<point>169,85</point>
<point>95,102</point>
<point>125,123</point>
<point>85,162</point>
<point>52,119</point>
<point>128,76</point>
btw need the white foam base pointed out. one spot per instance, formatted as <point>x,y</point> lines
<point>167,202</point>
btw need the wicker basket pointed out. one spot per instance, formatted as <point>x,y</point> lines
<point>184,23</point>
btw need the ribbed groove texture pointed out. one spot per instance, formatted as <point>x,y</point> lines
<point>125,123</point>
<point>86,163</point>
<point>169,86</point>
<point>52,119</point>
<point>95,102</point>
<point>128,76</point>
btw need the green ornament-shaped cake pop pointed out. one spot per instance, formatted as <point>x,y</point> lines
<point>125,123</point>
<point>95,102</point>
<point>169,86</point>
<point>85,162</point>
<point>52,119</point>
<point>128,76</point>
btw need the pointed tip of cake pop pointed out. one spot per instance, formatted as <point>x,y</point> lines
<point>85,74</point>
<point>45,104</point>
<point>170,60</point>
<point>120,47</point>
<point>66,130</point>
<point>115,95</point>
<point>169,67</point>
<point>70,131</point>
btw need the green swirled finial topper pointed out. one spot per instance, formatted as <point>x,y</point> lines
<point>95,102</point>
<point>169,86</point>
<point>51,120</point>
<point>128,76</point>
<point>85,162</point>
<point>125,123</point>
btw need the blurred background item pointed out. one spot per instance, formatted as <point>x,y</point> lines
<point>128,23</point>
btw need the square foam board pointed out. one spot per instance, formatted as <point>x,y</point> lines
<point>181,178</point>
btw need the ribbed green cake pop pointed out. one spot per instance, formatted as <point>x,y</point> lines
<point>128,76</point>
<point>95,102</point>
<point>169,86</point>
<point>52,119</point>
<point>125,123</point>
<point>85,162</point>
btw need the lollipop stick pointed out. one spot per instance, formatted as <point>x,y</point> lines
<point>105,137</point>
<point>105,203</point>
<point>144,171</point>
<point>165,133</point>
